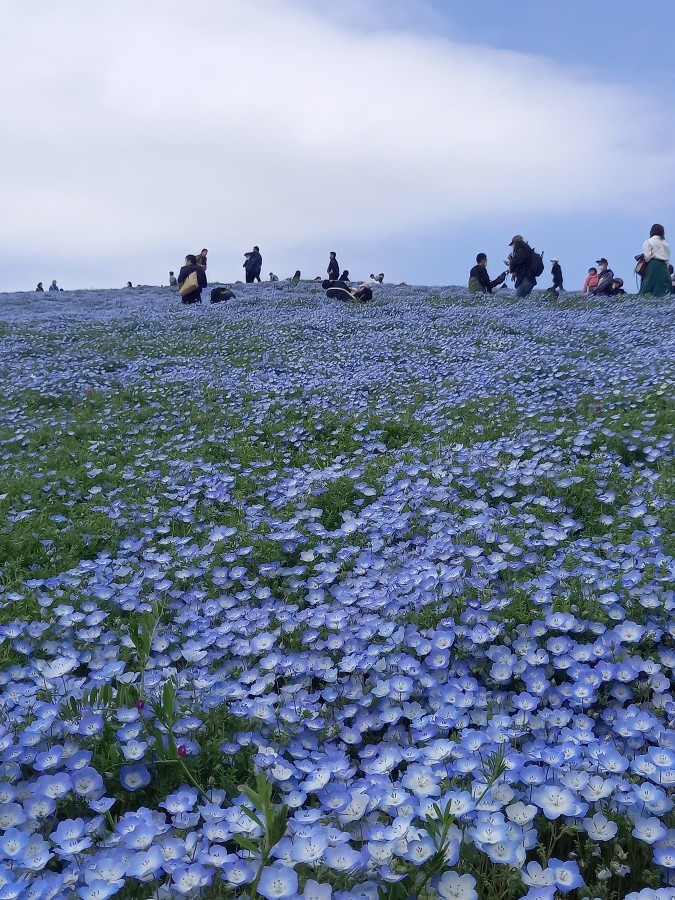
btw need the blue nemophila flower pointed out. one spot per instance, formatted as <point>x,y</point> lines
<point>134,777</point>
<point>278,882</point>
<point>186,880</point>
<point>13,843</point>
<point>452,886</point>
<point>599,828</point>
<point>99,890</point>
<point>342,858</point>
<point>239,872</point>
<point>145,865</point>
<point>315,891</point>
<point>535,875</point>
<point>650,830</point>
<point>543,892</point>
<point>11,814</point>
<point>567,874</point>
<point>555,801</point>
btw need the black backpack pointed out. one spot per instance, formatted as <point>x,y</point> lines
<point>537,264</point>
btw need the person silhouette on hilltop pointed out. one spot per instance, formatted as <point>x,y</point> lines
<point>253,265</point>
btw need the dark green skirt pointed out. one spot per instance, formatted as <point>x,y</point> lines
<point>656,280</point>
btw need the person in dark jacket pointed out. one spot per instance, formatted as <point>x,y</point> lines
<point>479,280</point>
<point>364,293</point>
<point>333,267</point>
<point>557,275</point>
<point>201,259</point>
<point>253,265</point>
<point>39,287</point>
<point>520,265</point>
<point>605,279</point>
<point>616,287</point>
<point>344,276</point>
<point>219,294</point>
<point>54,286</point>
<point>337,290</point>
<point>191,266</point>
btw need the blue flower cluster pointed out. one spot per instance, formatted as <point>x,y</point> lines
<point>412,562</point>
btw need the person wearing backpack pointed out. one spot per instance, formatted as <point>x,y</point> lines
<point>525,265</point>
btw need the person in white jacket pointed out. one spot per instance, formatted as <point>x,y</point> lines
<point>656,279</point>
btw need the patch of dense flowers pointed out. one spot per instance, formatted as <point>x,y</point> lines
<point>367,602</point>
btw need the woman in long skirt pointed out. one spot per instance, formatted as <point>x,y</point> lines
<point>656,280</point>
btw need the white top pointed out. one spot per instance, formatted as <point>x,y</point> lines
<point>656,248</point>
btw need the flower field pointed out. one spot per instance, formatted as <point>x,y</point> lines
<point>306,600</point>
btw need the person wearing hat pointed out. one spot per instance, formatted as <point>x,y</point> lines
<point>616,287</point>
<point>556,273</point>
<point>605,279</point>
<point>520,265</point>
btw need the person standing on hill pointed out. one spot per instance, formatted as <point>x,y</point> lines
<point>253,265</point>
<point>39,288</point>
<point>557,275</point>
<point>333,267</point>
<point>520,265</point>
<point>201,258</point>
<point>656,280</point>
<point>190,268</point>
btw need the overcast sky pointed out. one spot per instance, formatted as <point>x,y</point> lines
<point>406,135</point>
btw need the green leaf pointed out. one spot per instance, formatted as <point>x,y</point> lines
<point>252,815</point>
<point>246,843</point>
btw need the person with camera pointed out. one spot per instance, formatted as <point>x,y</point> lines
<point>656,280</point>
<point>479,280</point>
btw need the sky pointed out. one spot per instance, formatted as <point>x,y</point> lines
<point>406,135</point>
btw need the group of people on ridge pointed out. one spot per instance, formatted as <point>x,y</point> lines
<point>191,279</point>
<point>52,287</point>
<point>525,265</point>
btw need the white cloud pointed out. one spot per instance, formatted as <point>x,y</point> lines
<point>140,130</point>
